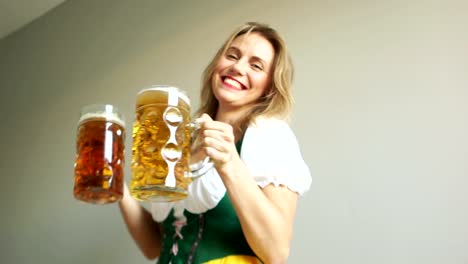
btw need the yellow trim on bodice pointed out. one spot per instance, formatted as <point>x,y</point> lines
<point>235,259</point>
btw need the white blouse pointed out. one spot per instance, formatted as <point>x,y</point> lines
<point>272,154</point>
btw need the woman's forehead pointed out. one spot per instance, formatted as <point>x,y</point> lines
<point>255,44</point>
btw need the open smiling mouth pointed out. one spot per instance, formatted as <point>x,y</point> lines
<point>233,83</point>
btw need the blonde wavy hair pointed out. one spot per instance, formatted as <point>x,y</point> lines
<point>278,100</point>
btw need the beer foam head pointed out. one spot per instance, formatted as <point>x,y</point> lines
<point>173,93</point>
<point>108,116</point>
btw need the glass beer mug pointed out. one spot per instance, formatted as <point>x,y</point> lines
<point>162,144</point>
<point>100,155</point>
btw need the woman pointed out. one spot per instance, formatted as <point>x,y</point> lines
<point>242,211</point>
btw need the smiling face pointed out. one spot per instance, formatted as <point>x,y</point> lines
<point>243,73</point>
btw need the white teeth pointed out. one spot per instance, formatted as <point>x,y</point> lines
<point>233,83</point>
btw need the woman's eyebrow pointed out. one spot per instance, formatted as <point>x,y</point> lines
<point>232,48</point>
<point>260,60</point>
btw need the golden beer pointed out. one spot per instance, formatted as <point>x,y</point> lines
<point>161,145</point>
<point>100,155</point>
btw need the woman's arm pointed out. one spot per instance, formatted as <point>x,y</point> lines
<point>266,215</point>
<point>141,226</point>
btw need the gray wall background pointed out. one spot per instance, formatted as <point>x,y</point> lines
<point>381,113</point>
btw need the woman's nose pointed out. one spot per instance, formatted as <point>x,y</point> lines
<point>239,67</point>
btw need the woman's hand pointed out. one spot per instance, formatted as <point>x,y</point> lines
<point>218,142</point>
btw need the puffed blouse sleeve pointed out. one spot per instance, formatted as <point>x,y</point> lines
<point>272,153</point>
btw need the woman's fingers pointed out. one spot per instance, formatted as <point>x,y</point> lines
<point>217,156</point>
<point>218,146</point>
<point>218,140</point>
<point>218,135</point>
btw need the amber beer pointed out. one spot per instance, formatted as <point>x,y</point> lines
<point>161,152</point>
<point>100,155</point>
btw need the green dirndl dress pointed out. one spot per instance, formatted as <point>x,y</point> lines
<point>214,236</point>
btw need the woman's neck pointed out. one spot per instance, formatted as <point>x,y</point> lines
<point>234,117</point>
<point>231,116</point>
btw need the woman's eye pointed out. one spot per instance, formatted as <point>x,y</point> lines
<point>257,67</point>
<point>231,56</point>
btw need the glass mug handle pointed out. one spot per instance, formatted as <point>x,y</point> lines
<point>198,168</point>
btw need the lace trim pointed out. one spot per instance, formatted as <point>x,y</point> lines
<point>178,224</point>
<point>201,225</point>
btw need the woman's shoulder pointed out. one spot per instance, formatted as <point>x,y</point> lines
<point>271,151</point>
<point>270,128</point>
<point>265,121</point>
